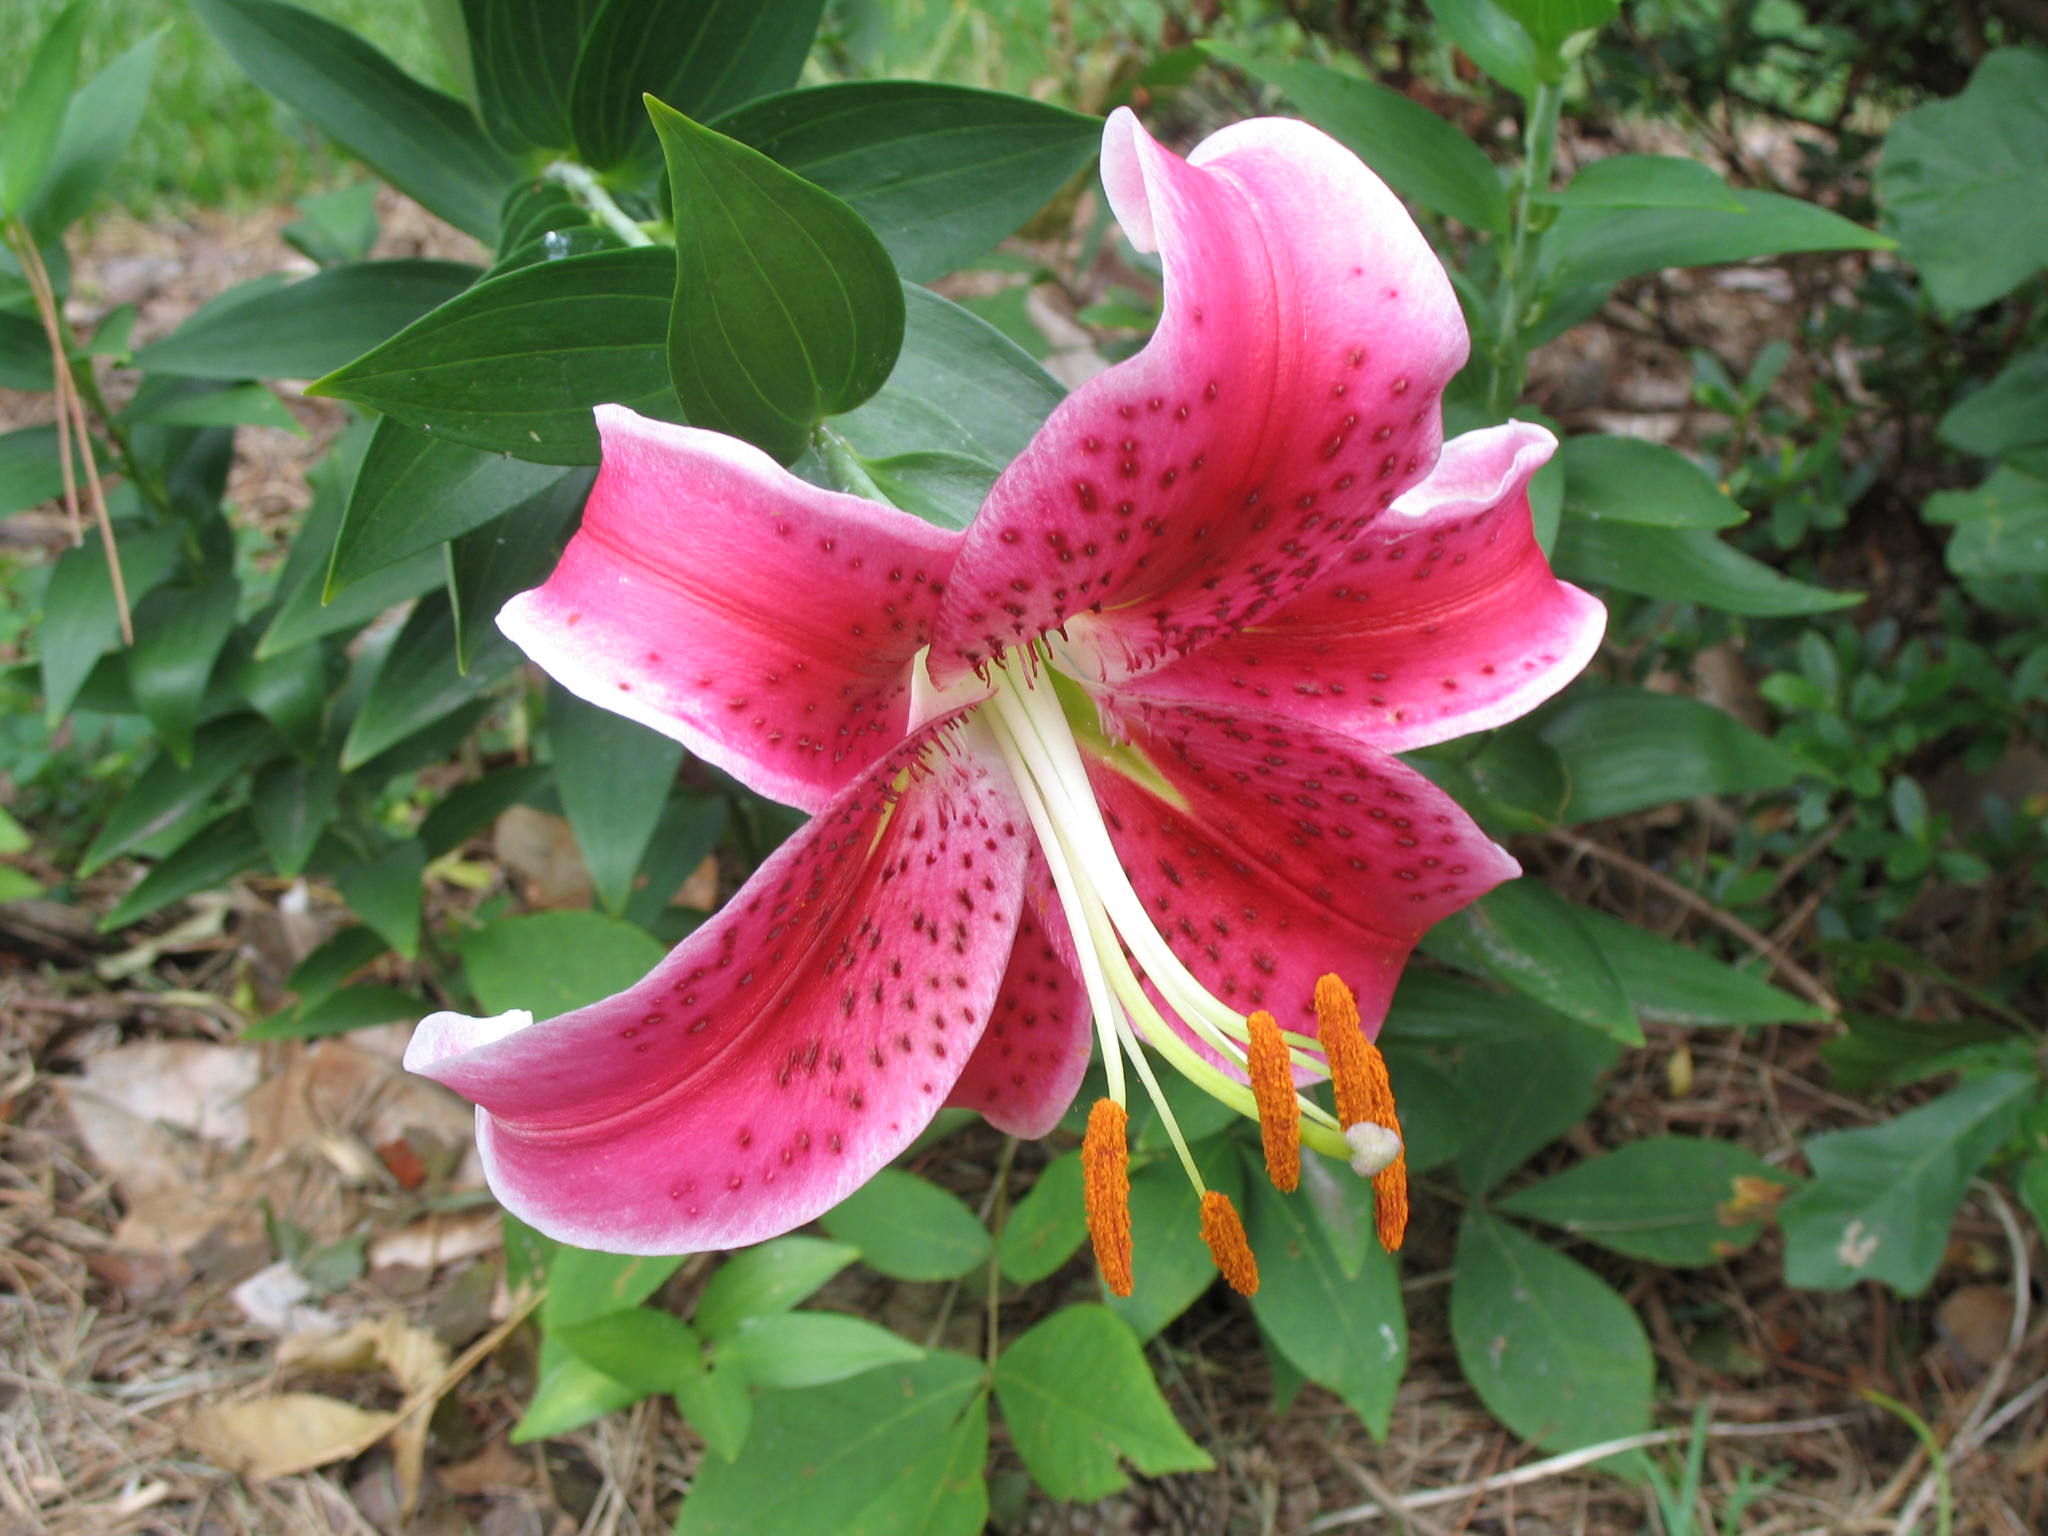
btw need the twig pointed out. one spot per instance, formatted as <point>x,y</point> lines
<point>1802,980</point>
<point>1571,1461</point>
<point>425,1397</point>
<point>1972,1432</point>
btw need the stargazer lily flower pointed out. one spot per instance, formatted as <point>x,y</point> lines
<point>1113,762</point>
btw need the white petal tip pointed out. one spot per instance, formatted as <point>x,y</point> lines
<point>1373,1148</point>
<point>442,1036</point>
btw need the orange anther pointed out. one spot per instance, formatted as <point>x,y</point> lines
<point>1390,1203</point>
<point>1272,1075</point>
<point>1106,1192</point>
<point>1232,1250</point>
<point>1365,1095</point>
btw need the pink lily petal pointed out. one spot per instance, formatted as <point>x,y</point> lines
<point>1292,853</point>
<point>764,623</point>
<point>1290,392</point>
<point>783,1052</point>
<point>1034,1053</point>
<point>1440,619</point>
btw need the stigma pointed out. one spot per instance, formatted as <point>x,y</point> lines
<point>1129,971</point>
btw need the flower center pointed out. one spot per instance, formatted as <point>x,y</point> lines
<point>1031,714</point>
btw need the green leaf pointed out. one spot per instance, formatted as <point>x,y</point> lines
<point>422,142</point>
<point>1630,480</point>
<point>810,1349</point>
<point>1494,40</point>
<point>514,364</point>
<point>787,309</point>
<point>1048,1225</point>
<point>959,387</point>
<point>24,355</point>
<point>418,683</point>
<point>614,776</point>
<point>2001,526</point>
<point>339,1012</point>
<point>1550,1348</point>
<point>98,126</point>
<point>179,632</point>
<point>1419,154</point>
<point>2008,416</point>
<point>1551,23</point>
<point>415,491</point>
<point>35,118</point>
<point>336,227</point>
<point>523,55</point>
<point>703,59</point>
<point>169,402</point>
<point>648,1350</point>
<point>304,329</point>
<point>1526,936</point>
<point>583,1284</point>
<point>1965,182</point>
<point>1626,749</point>
<point>334,962</point>
<point>385,893</point>
<point>81,621</point>
<point>1430,1008</point>
<point>764,1280</point>
<point>568,1394</point>
<point>908,1228</point>
<point>290,691</point>
<point>1601,246</point>
<point>550,963</point>
<point>30,471</point>
<point>1172,1265</point>
<point>468,810</point>
<point>897,1451</point>
<point>1679,985</point>
<point>940,173</point>
<point>1684,565</point>
<point>294,803</point>
<point>1882,1198</point>
<point>1673,1200</point>
<point>684,837</point>
<point>719,1405</point>
<point>1438,1118</point>
<point>166,793</point>
<point>206,861</point>
<point>488,565</point>
<point>945,489</point>
<point>1345,1331</point>
<point>1533,1089</point>
<point>1078,1396</point>
<point>1643,181</point>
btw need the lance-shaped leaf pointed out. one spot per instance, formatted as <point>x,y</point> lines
<point>1626,749</point>
<point>516,363</point>
<point>1631,480</point>
<point>1550,22</point>
<point>424,143</point>
<point>614,776</point>
<point>167,792</point>
<point>706,58</point>
<point>179,632</point>
<point>302,330</point>
<point>939,172</point>
<point>211,858</point>
<point>1684,565</point>
<point>416,491</point>
<point>98,126</point>
<point>82,622</point>
<point>292,804</point>
<point>1421,156</point>
<point>523,53</point>
<point>787,309</point>
<point>1605,245</point>
<point>486,566</point>
<point>419,682</point>
<point>36,117</point>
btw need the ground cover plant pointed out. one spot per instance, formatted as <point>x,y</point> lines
<point>1784,832</point>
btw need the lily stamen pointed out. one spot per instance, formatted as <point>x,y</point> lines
<point>1365,1098</point>
<point>1232,1250</point>
<point>1106,1192</point>
<point>1272,1075</point>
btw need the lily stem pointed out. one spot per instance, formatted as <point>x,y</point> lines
<point>848,473</point>
<point>589,191</point>
<point>1539,153</point>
